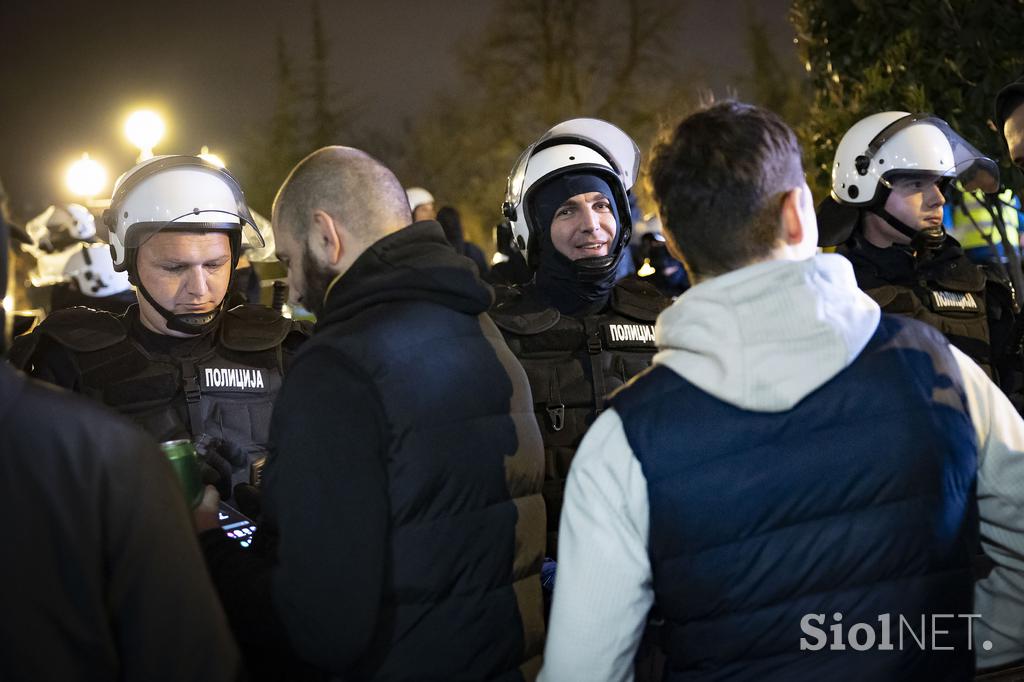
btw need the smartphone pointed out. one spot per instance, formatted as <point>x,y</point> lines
<point>236,525</point>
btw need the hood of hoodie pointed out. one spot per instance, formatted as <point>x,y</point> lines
<point>415,263</point>
<point>764,337</point>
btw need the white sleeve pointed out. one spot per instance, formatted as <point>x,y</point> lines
<point>603,589</point>
<point>998,598</point>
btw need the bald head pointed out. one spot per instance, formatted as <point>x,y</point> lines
<point>355,189</point>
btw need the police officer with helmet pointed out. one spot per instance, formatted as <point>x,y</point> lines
<point>578,333</point>
<point>885,214</point>
<point>178,363</point>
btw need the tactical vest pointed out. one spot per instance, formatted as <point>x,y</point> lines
<point>572,364</point>
<point>765,525</point>
<point>224,389</point>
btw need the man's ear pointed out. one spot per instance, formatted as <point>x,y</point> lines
<point>797,217</point>
<point>327,238</point>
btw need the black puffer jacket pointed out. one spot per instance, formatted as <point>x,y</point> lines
<point>101,577</point>
<point>405,478</point>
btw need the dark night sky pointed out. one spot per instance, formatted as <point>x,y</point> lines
<point>71,71</point>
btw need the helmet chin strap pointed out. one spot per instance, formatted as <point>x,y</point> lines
<point>194,324</point>
<point>924,242</point>
<point>186,324</point>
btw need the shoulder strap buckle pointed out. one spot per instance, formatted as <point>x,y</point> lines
<point>193,394</point>
<point>556,413</point>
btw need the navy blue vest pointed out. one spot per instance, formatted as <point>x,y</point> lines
<point>860,500</point>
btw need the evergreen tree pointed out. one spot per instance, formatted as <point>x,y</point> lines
<point>273,152</point>
<point>947,57</point>
<point>325,122</point>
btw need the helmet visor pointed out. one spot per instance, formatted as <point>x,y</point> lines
<point>516,179</point>
<point>607,139</point>
<point>970,167</point>
<point>614,144</point>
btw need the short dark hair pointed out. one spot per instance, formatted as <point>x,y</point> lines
<point>718,179</point>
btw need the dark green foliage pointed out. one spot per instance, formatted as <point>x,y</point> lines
<point>947,57</point>
<point>326,119</point>
<point>275,149</point>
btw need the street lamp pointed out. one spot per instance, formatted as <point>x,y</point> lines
<point>144,128</point>
<point>86,177</point>
<point>206,155</point>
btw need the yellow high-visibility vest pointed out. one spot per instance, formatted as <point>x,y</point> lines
<point>972,237</point>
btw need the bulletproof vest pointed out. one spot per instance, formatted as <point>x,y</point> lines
<point>844,504</point>
<point>572,364</point>
<point>949,295</point>
<point>221,385</point>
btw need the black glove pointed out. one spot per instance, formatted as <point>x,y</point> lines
<point>218,459</point>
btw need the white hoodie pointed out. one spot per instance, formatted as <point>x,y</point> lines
<point>760,338</point>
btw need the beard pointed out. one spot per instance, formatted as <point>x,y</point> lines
<point>316,278</point>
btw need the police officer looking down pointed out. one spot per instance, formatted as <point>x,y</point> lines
<point>885,213</point>
<point>577,332</point>
<point>177,363</point>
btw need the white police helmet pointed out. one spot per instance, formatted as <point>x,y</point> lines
<point>897,143</point>
<point>178,193</point>
<point>893,144</point>
<point>418,196</point>
<point>579,144</point>
<point>55,228</point>
<point>91,268</point>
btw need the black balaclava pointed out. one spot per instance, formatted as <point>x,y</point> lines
<point>557,279</point>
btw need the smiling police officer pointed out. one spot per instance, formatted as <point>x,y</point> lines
<point>177,362</point>
<point>578,333</point>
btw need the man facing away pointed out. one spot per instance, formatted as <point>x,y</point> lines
<point>406,467</point>
<point>795,462</point>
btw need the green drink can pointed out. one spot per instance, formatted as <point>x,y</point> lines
<point>185,462</point>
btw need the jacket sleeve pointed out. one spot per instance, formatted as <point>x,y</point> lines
<point>163,610</point>
<point>326,493</point>
<point>44,359</point>
<point>999,597</point>
<point>603,589</point>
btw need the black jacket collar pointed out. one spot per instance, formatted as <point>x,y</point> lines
<point>415,263</point>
